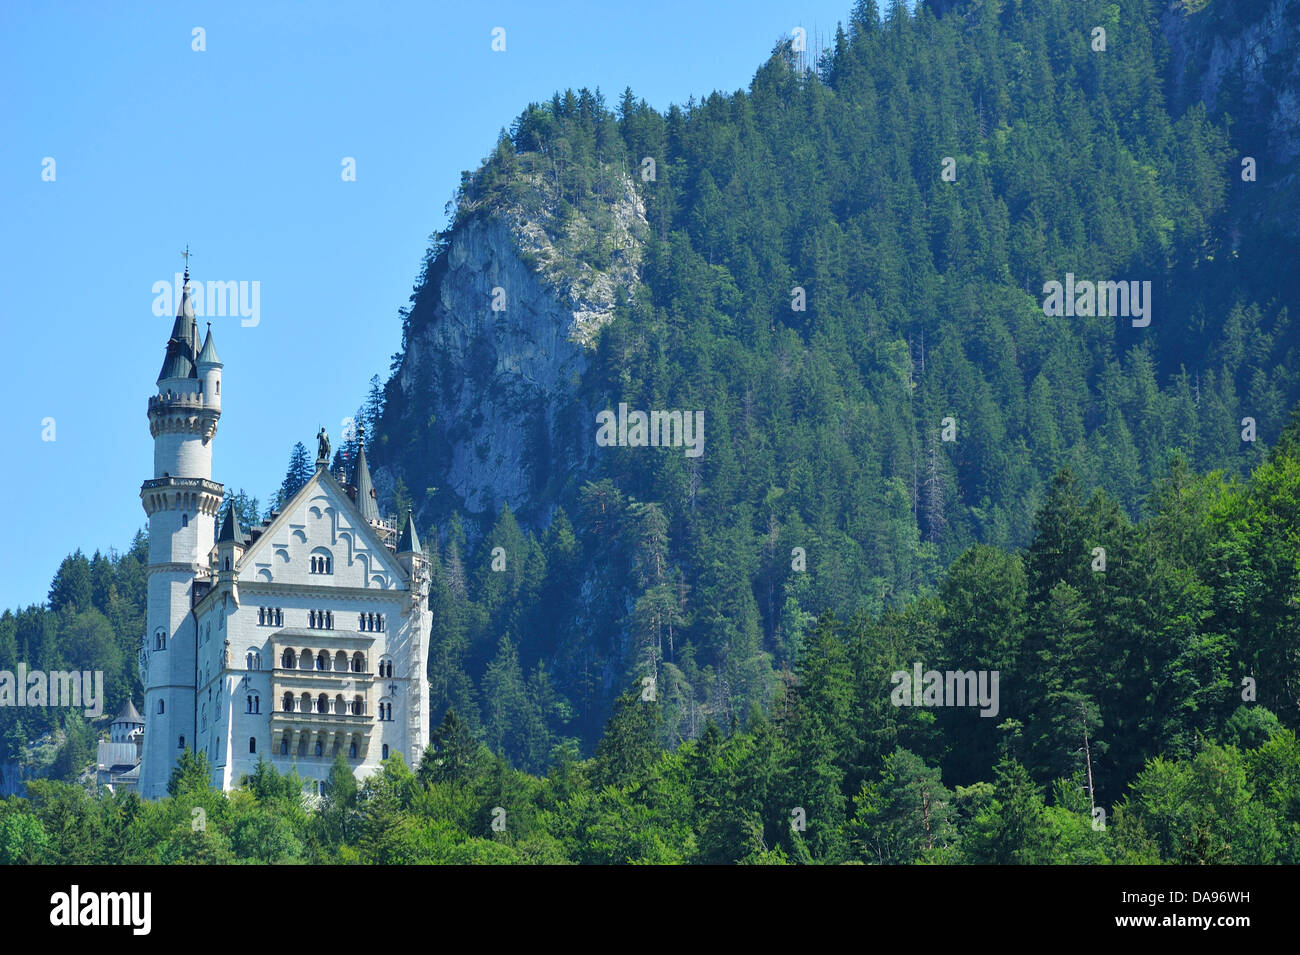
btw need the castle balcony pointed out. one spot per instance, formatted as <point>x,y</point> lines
<point>161,404</point>
<point>181,494</point>
<point>323,654</point>
<point>318,739</point>
<point>184,484</point>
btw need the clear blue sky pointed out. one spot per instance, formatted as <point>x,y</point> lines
<point>237,151</point>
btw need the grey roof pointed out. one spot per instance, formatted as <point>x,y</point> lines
<point>129,714</point>
<point>409,542</point>
<point>366,502</point>
<point>111,755</point>
<point>177,364</point>
<point>183,345</point>
<point>208,353</point>
<point>230,530</point>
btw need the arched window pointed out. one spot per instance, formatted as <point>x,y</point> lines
<point>352,750</point>
<point>218,386</point>
<point>361,621</point>
<point>261,616</point>
<point>252,744</point>
<point>358,661</point>
<point>341,662</point>
<point>279,619</point>
<point>160,639</point>
<point>306,702</point>
<point>284,746</point>
<point>320,748</point>
<point>322,660</point>
<point>185,520</point>
<point>254,704</point>
<point>358,706</point>
<point>380,624</point>
<point>227,562</point>
<point>311,619</point>
<point>340,705</point>
<point>160,707</point>
<point>180,744</point>
<point>288,660</point>
<point>322,704</point>
<point>385,751</point>
<point>288,702</point>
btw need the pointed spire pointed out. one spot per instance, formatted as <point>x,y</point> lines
<point>192,329</point>
<point>366,501</point>
<point>208,353</point>
<point>182,347</point>
<point>129,714</point>
<point>230,529</point>
<point>409,542</point>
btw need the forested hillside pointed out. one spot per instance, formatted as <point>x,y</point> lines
<point>812,282</point>
<point>644,655</point>
<point>1138,723</point>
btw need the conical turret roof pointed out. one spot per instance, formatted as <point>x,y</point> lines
<point>409,542</point>
<point>230,529</point>
<point>182,347</point>
<point>129,714</point>
<point>366,502</point>
<point>208,353</point>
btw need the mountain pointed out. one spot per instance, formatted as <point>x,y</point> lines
<point>845,269</point>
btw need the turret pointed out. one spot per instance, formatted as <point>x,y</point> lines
<point>182,502</point>
<point>127,722</point>
<point>230,543</point>
<point>411,555</point>
<point>208,366</point>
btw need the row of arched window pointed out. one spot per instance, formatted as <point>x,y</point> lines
<point>371,622</point>
<point>324,705</point>
<point>319,749</point>
<point>320,619</point>
<point>292,660</point>
<point>270,617</point>
<point>322,565</point>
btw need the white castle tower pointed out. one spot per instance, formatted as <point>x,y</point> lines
<point>299,642</point>
<point>182,501</point>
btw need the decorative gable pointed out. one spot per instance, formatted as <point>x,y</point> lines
<point>321,538</point>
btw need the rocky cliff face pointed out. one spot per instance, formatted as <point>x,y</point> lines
<point>1238,58</point>
<point>499,339</point>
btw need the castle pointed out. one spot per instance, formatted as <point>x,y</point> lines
<point>294,641</point>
